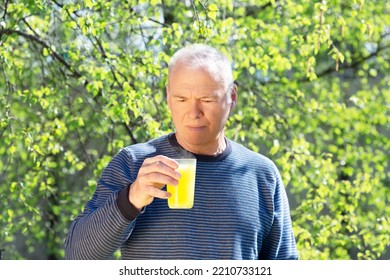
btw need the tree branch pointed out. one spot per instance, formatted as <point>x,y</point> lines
<point>58,4</point>
<point>5,10</point>
<point>158,22</point>
<point>44,44</point>
<point>354,64</point>
<point>331,70</point>
<point>130,133</point>
<point>253,10</point>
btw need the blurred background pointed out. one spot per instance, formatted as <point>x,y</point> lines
<point>79,80</point>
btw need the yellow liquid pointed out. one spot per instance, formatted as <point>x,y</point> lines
<point>183,193</point>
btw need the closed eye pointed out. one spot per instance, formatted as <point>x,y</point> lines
<point>180,99</point>
<point>209,99</point>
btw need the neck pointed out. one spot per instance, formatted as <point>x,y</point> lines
<point>221,148</point>
<point>212,149</point>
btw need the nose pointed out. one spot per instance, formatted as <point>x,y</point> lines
<point>195,110</point>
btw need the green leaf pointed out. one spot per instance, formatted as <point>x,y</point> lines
<point>155,2</point>
<point>10,213</point>
<point>12,149</point>
<point>213,7</point>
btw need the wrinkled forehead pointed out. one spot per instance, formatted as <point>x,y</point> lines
<point>211,70</point>
<point>190,77</point>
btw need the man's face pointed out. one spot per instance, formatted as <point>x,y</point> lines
<point>199,106</point>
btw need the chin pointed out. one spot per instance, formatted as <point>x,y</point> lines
<point>197,141</point>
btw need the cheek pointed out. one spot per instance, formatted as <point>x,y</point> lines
<point>221,112</point>
<point>177,115</point>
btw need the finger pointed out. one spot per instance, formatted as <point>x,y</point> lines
<point>159,186</point>
<point>157,193</point>
<point>159,167</point>
<point>162,159</point>
<point>158,179</point>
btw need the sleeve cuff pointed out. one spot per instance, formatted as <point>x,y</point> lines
<point>128,210</point>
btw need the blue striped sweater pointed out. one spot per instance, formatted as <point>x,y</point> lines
<point>240,211</point>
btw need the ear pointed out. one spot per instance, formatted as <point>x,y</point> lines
<point>234,97</point>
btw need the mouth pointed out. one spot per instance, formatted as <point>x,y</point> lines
<point>196,128</point>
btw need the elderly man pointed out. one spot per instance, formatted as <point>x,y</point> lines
<point>240,210</point>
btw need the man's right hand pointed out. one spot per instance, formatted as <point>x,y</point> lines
<point>154,174</point>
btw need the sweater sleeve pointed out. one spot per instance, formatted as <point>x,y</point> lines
<point>108,218</point>
<point>280,244</point>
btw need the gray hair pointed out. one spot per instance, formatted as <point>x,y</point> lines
<point>200,56</point>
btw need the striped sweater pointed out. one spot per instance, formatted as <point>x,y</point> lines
<point>240,211</point>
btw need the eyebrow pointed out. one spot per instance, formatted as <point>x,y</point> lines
<point>211,95</point>
<point>178,95</point>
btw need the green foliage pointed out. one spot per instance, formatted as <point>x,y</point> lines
<point>82,79</point>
